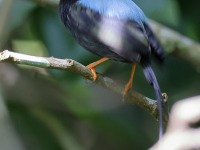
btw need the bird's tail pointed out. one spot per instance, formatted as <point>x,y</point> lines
<point>154,43</point>
<point>151,78</point>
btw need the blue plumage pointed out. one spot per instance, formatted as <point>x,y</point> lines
<point>114,29</point>
<point>126,9</point>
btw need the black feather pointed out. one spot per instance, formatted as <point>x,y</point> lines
<point>154,43</point>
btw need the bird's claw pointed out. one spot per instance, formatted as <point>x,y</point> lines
<point>94,74</point>
<point>92,69</point>
<point>128,86</point>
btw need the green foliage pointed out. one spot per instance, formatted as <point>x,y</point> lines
<point>55,110</point>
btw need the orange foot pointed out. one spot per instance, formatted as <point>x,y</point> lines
<point>93,70</point>
<point>93,65</point>
<point>129,85</point>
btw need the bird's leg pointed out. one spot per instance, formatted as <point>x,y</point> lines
<point>130,82</point>
<point>93,65</point>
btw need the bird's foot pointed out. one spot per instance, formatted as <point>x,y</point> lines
<point>128,86</point>
<point>93,65</point>
<point>93,72</point>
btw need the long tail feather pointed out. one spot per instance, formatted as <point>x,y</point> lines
<point>151,78</point>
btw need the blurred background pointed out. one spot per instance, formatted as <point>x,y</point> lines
<point>43,109</point>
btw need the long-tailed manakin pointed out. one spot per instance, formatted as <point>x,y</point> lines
<point>116,30</point>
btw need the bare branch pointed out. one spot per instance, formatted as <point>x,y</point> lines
<point>68,64</point>
<point>181,46</point>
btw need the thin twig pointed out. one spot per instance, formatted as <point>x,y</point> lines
<point>68,64</point>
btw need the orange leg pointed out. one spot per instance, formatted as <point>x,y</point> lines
<point>130,82</point>
<point>93,65</point>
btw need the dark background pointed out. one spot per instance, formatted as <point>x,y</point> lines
<point>44,109</point>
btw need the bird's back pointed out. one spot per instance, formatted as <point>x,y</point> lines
<point>109,28</point>
<point>121,9</point>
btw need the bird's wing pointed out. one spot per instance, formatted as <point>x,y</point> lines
<point>123,37</point>
<point>156,47</point>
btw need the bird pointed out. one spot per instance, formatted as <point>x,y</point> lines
<point>115,30</point>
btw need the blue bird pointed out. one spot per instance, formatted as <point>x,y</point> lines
<point>116,30</point>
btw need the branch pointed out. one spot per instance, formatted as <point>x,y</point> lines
<point>177,44</point>
<point>172,41</point>
<point>68,64</point>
